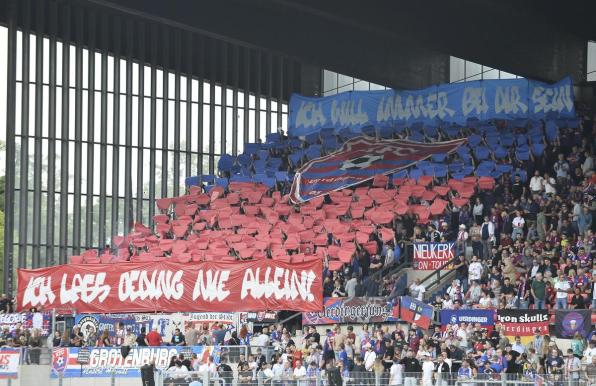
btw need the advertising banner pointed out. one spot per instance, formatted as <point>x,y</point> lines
<point>486,318</point>
<point>166,324</point>
<point>415,311</point>
<point>107,361</point>
<point>359,160</point>
<point>27,320</point>
<point>523,323</point>
<point>352,310</point>
<point>569,322</point>
<point>257,285</point>
<point>432,256</point>
<point>454,103</point>
<point>258,317</point>
<point>9,362</point>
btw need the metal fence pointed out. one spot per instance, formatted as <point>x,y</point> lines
<point>269,377</point>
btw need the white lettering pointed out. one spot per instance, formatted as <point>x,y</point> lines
<point>310,114</point>
<point>87,288</point>
<point>138,285</point>
<point>38,292</point>
<point>474,100</point>
<point>295,284</point>
<point>211,286</point>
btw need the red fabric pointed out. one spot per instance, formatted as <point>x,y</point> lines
<point>380,181</point>
<point>442,190</point>
<point>175,292</point>
<point>459,202</point>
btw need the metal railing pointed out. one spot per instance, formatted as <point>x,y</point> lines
<point>288,377</point>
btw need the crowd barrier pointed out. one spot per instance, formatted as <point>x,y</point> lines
<point>366,379</point>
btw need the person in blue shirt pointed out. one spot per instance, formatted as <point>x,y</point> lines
<point>343,356</point>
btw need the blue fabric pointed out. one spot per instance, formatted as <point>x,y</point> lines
<point>501,152</point>
<point>222,182</point>
<point>522,154</point>
<point>552,131</point>
<point>481,152</point>
<point>208,178</point>
<point>538,149</point>
<point>193,181</point>
<point>474,140</point>
<point>439,157</point>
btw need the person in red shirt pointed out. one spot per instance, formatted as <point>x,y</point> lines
<point>153,338</point>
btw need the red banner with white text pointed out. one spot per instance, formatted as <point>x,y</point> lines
<point>258,285</point>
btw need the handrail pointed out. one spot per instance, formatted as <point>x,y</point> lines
<point>438,271</point>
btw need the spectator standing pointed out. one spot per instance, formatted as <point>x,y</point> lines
<point>539,292</point>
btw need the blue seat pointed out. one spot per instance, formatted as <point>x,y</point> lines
<point>237,178</point>
<point>441,171</point>
<point>504,168</point>
<point>208,178</point>
<point>400,174</point>
<point>522,154</point>
<point>281,176</point>
<point>222,182</point>
<point>193,181</point>
<point>538,149</point>
<point>501,152</point>
<point>439,157</point>
<point>225,163</point>
<point>415,174</point>
<point>474,140</point>
<point>481,152</point>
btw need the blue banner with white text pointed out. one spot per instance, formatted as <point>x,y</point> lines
<point>486,318</point>
<point>453,103</point>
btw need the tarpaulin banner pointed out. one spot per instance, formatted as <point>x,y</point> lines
<point>352,310</point>
<point>359,160</point>
<point>432,256</point>
<point>486,318</point>
<point>415,311</point>
<point>27,320</point>
<point>257,285</point>
<point>258,317</point>
<point>9,362</point>
<point>107,361</point>
<point>523,323</point>
<point>569,322</point>
<point>455,103</point>
<point>166,324</point>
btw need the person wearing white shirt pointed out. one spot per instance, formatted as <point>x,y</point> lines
<point>417,290</point>
<point>589,353</point>
<point>396,373</point>
<point>537,183</point>
<point>588,164</point>
<point>518,346</point>
<point>572,366</point>
<point>428,368</point>
<point>549,185</point>
<point>518,225</point>
<point>299,372</point>
<point>475,270</point>
<point>369,358</point>
<point>562,287</point>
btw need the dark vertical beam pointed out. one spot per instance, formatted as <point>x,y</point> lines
<point>117,36</point>
<point>235,84</point>
<point>65,125</point>
<point>280,90</point>
<point>224,97</point>
<point>153,119</point>
<point>76,218</point>
<point>141,120</point>
<point>11,94</point>
<point>247,73</point>
<point>212,74</point>
<point>24,162</point>
<point>164,153</point>
<point>128,210</point>
<point>51,210</point>
<point>177,69</point>
<point>189,77</point>
<point>89,228</point>
<point>258,72</point>
<point>269,90</point>
<point>200,74</point>
<point>103,148</point>
<point>37,167</point>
